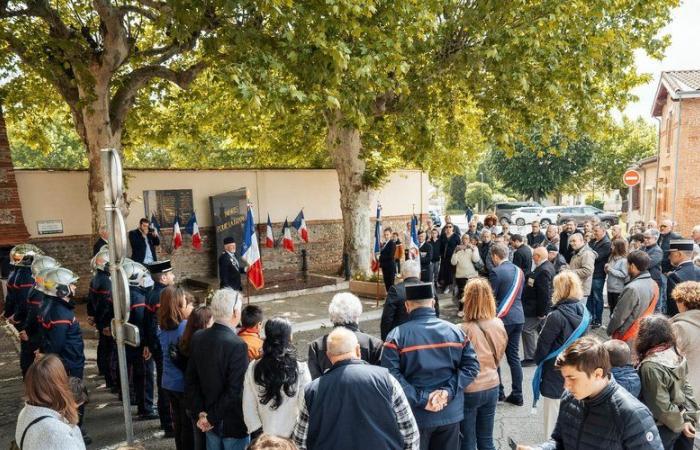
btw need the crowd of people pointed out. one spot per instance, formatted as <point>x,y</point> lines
<point>218,375</point>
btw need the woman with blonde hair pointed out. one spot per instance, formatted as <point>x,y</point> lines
<point>562,323</point>
<point>489,338</point>
<point>49,419</point>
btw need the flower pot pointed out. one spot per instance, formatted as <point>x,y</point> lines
<point>368,289</point>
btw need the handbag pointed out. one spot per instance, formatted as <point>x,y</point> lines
<point>13,444</point>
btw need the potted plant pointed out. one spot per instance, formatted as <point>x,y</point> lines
<point>370,286</point>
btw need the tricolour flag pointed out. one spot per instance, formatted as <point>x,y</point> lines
<point>300,224</point>
<point>193,229</point>
<point>177,234</point>
<point>251,252</point>
<point>155,225</point>
<point>413,246</point>
<point>377,239</point>
<point>287,241</point>
<point>269,237</point>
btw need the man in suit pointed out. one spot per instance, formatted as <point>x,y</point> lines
<point>101,241</point>
<point>144,241</point>
<point>537,299</point>
<point>522,256</point>
<point>426,258</point>
<point>666,235</point>
<point>230,269</point>
<point>680,255</point>
<point>215,374</point>
<point>386,259</point>
<point>507,281</point>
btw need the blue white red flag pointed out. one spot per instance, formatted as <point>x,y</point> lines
<point>193,229</point>
<point>287,241</point>
<point>413,246</point>
<point>269,237</point>
<point>251,252</point>
<point>300,224</point>
<point>177,234</point>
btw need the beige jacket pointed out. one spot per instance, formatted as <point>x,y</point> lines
<point>687,328</point>
<point>488,375</point>
<point>582,265</point>
<point>464,260</point>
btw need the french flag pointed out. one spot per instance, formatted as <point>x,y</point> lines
<point>287,241</point>
<point>193,229</point>
<point>270,238</point>
<point>177,234</point>
<point>413,247</point>
<point>300,224</point>
<point>251,252</point>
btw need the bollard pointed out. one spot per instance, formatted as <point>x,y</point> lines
<point>304,266</point>
<point>346,266</point>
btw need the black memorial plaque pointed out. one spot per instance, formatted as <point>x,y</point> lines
<point>168,204</point>
<point>228,212</point>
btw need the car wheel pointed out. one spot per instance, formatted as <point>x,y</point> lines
<point>520,221</point>
<point>545,222</point>
<point>505,221</point>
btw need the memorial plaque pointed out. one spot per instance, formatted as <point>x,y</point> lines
<point>228,212</point>
<point>49,226</point>
<point>168,204</point>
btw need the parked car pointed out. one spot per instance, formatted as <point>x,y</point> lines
<point>550,214</point>
<point>435,217</point>
<point>504,210</point>
<point>582,213</point>
<point>524,216</point>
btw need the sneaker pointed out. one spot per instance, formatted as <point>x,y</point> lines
<point>527,363</point>
<point>517,401</point>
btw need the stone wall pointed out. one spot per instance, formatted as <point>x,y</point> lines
<point>12,228</point>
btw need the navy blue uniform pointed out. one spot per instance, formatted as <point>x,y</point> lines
<point>32,327</point>
<point>61,334</point>
<point>100,305</point>
<point>142,370</point>
<point>19,283</point>
<point>686,271</point>
<point>152,331</point>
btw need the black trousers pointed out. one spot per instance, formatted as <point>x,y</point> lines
<point>440,438</point>
<point>389,273</point>
<point>166,421</point>
<point>26,355</point>
<point>612,300</point>
<point>105,346</point>
<point>182,422</point>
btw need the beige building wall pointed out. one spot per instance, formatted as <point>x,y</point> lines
<point>62,195</point>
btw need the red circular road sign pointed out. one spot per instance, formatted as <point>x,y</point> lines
<point>631,178</point>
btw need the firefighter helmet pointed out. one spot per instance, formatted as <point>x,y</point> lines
<point>57,282</point>
<point>23,254</point>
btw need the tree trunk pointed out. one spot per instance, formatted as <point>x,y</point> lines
<point>344,144</point>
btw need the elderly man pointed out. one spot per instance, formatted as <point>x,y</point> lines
<point>602,247</point>
<point>551,236</point>
<point>215,374</point>
<point>651,225</point>
<point>394,313</point>
<point>556,258</point>
<point>695,235</point>
<point>535,238</point>
<point>582,262</point>
<point>230,269</point>
<point>507,281</point>
<point>656,256</point>
<point>564,244</point>
<point>666,234</point>
<point>434,362</point>
<point>354,405</point>
<point>101,241</point>
<point>680,256</point>
<point>537,299</point>
<point>344,311</point>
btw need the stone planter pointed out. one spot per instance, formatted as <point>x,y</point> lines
<point>368,289</point>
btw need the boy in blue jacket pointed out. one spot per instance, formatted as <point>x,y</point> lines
<point>622,369</point>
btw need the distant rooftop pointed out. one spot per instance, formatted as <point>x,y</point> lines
<point>677,84</point>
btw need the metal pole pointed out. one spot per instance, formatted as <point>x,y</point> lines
<point>114,266</point>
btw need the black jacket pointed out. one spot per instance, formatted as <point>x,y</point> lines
<point>612,420</point>
<point>214,379</point>
<point>370,349</point>
<point>426,262</point>
<point>138,245</point>
<point>436,250</point>
<point>484,250</point>
<point>98,245</point>
<point>656,255</point>
<point>230,271</point>
<point>686,271</point>
<point>602,249</point>
<point>535,240</point>
<point>522,257</point>
<point>537,297</point>
<point>665,244</point>
<point>61,334</point>
<point>386,254</point>
<point>394,313</point>
<point>559,325</point>
<point>566,251</point>
<point>448,246</point>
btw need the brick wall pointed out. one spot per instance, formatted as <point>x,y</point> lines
<point>12,228</point>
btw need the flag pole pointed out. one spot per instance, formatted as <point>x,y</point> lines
<point>376,275</point>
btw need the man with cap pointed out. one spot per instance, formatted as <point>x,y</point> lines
<point>162,274</point>
<point>230,269</point>
<point>680,255</point>
<point>433,361</point>
<point>556,258</point>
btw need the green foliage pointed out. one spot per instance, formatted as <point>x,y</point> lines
<point>538,169</point>
<point>595,202</point>
<point>479,194</point>
<point>458,188</point>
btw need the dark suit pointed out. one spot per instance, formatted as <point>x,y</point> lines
<point>686,271</point>
<point>98,245</point>
<point>537,299</point>
<point>564,249</point>
<point>426,262</point>
<point>230,271</point>
<point>522,257</point>
<point>214,379</point>
<point>138,245</point>
<point>386,262</point>
<point>535,240</point>
<point>665,244</point>
<point>394,313</point>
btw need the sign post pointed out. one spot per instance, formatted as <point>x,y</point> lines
<point>631,178</point>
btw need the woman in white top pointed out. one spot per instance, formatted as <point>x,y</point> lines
<point>49,419</point>
<point>274,382</point>
<point>465,258</point>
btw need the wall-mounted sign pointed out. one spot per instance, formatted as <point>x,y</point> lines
<point>228,212</point>
<point>49,226</point>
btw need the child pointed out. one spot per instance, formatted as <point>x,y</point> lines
<point>251,324</point>
<point>622,370</point>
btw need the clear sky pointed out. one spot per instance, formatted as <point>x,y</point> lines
<point>682,54</point>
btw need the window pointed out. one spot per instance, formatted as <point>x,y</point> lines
<point>635,193</point>
<point>165,205</point>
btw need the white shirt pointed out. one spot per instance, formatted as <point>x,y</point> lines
<point>148,257</point>
<point>278,422</point>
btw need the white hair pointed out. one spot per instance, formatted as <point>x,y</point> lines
<point>410,268</point>
<point>696,229</point>
<point>224,303</point>
<point>341,341</point>
<point>344,308</point>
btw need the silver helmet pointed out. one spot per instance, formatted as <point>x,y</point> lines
<point>136,273</point>
<point>57,282</point>
<point>101,259</point>
<point>42,262</point>
<point>39,278</point>
<point>23,254</point>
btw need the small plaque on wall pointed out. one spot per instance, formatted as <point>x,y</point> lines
<point>49,226</point>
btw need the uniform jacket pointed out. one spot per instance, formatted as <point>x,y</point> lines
<point>583,264</point>
<point>214,379</point>
<point>535,240</point>
<point>686,325</point>
<point>612,420</point>
<point>602,249</point>
<point>522,257</point>
<point>62,335</point>
<point>138,307</point>
<point>628,378</point>
<point>150,318</point>
<point>665,244</point>
<point>230,270</point>
<point>100,300</point>
<point>656,255</point>
<point>686,271</point>
<point>394,313</point>
<point>425,354</point>
<point>566,315</point>
<point>666,391</point>
<point>633,301</point>
<point>31,324</point>
<point>370,351</point>
<point>18,285</point>
<point>503,279</point>
<point>537,296</point>
<point>138,245</point>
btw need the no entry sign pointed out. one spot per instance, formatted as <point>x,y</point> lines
<point>631,178</point>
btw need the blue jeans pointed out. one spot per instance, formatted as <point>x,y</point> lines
<point>595,300</point>
<point>479,414</point>
<point>513,357</point>
<point>216,442</point>
<point>661,304</point>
